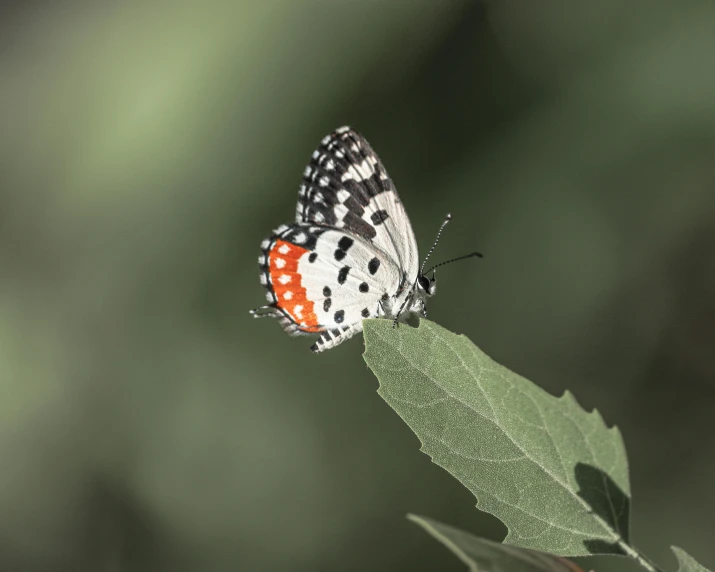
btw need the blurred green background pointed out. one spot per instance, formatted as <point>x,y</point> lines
<point>146,149</point>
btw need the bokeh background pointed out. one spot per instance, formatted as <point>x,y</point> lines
<point>146,149</point>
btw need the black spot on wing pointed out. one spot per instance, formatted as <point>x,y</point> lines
<point>365,313</point>
<point>356,225</point>
<point>312,256</point>
<point>326,291</point>
<point>378,217</point>
<point>303,235</point>
<point>373,265</point>
<point>345,243</point>
<point>326,305</point>
<point>339,316</point>
<point>343,274</point>
<point>354,203</point>
<point>364,288</point>
<point>359,195</point>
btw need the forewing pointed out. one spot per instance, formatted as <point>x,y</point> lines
<point>346,186</point>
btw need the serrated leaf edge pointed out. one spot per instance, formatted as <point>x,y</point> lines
<point>612,537</point>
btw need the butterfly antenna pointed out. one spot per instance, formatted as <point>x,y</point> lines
<point>436,240</point>
<point>470,255</point>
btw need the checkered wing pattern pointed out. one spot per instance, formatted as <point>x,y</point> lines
<point>346,187</point>
<point>351,252</point>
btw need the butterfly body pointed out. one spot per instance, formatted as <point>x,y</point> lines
<point>350,255</point>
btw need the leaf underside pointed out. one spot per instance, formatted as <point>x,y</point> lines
<point>555,474</point>
<point>480,554</point>
<point>686,562</point>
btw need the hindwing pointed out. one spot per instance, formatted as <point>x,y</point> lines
<point>324,281</point>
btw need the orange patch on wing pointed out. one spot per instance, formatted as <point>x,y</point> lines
<point>283,267</point>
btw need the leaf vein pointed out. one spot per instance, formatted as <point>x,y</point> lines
<point>578,499</point>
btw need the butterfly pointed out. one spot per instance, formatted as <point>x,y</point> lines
<point>351,253</point>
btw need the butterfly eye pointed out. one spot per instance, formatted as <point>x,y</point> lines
<point>424,282</point>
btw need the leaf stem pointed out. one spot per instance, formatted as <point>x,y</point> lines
<point>639,557</point>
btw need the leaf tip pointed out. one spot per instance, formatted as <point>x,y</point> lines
<point>687,563</point>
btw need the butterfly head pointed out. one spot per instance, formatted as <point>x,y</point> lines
<point>426,286</point>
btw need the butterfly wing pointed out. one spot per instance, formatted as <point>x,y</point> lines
<point>346,187</point>
<point>323,281</point>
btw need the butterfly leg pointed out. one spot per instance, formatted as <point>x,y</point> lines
<point>381,310</point>
<point>286,323</point>
<point>399,312</point>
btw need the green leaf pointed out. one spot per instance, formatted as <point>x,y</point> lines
<point>482,554</point>
<point>686,562</point>
<point>553,473</point>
